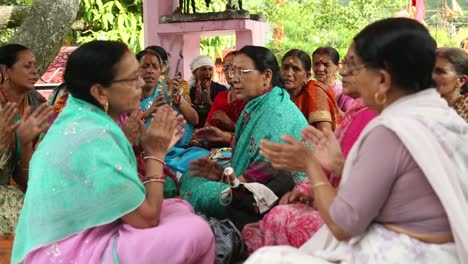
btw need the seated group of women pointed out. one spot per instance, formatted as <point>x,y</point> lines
<point>291,148</point>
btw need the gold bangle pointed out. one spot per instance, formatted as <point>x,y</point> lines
<point>154,180</point>
<point>319,184</point>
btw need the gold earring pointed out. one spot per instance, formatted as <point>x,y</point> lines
<point>378,101</point>
<point>106,107</point>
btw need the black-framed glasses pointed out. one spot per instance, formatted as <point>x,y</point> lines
<point>127,80</point>
<point>239,72</point>
<point>351,69</point>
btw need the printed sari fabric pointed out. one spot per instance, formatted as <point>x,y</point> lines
<point>269,116</point>
<point>318,104</point>
<point>461,106</point>
<point>294,224</point>
<point>78,193</point>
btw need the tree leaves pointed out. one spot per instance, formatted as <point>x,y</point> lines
<point>112,20</point>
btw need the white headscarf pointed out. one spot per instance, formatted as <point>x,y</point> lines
<point>198,62</point>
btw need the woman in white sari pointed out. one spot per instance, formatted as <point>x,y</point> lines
<point>404,193</point>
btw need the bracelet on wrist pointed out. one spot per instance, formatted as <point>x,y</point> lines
<point>155,159</point>
<point>318,184</point>
<point>155,176</point>
<point>154,180</point>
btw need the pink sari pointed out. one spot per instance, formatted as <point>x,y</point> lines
<point>118,242</point>
<point>294,224</point>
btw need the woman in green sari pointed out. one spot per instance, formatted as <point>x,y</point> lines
<point>85,202</point>
<point>269,113</point>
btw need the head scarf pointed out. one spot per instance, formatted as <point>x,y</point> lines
<point>198,62</point>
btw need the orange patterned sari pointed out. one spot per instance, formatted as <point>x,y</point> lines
<point>318,104</point>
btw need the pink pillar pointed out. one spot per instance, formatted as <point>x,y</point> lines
<point>185,37</point>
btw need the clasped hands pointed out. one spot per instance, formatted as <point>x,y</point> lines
<point>293,155</point>
<point>164,131</point>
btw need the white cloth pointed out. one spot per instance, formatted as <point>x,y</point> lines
<point>437,139</point>
<point>264,197</point>
<point>199,61</point>
<point>379,245</point>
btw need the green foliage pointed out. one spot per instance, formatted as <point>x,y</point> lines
<point>214,46</point>
<point>7,34</point>
<point>111,20</point>
<point>16,2</point>
<point>308,24</point>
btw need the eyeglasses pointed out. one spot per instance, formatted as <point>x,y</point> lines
<point>346,68</point>
<point>239,72</point>
<point>128,80</point>
<point>227,69</point>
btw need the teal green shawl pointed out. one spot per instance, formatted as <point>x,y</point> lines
<point>269,116</point>
<point>83,175</point>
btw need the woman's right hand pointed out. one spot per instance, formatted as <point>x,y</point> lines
<point>7,128</point>
<point>327,149</point>
<point>296,197</point>
<point>206,168</point>
<point>157,138</point>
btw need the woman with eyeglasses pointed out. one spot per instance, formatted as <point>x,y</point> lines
<point>269,113</point>
<point>23,115</point>
<point>451,77</point>
<point>85,202</point>
<point>401,205</point>
<point>295,220</point>
<point>226,108</point>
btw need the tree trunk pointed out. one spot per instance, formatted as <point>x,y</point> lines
<point>12,16</point>
<point>45,28</point>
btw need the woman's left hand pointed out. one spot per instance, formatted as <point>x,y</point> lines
<point>223,118</point>
<point>292,155</point>
<point>206,168</point>
<point>33,124</point>
<point>133,127</point>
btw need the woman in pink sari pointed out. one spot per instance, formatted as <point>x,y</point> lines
<point>295,220</point>
<point>85,202</point>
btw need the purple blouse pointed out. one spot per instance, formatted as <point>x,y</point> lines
<point>387,186</point>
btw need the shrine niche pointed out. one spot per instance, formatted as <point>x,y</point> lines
<point>186,12</point>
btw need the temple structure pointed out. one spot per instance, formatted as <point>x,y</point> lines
<point>180,34</point>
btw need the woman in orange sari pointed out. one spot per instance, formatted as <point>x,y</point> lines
<point>315,100</point>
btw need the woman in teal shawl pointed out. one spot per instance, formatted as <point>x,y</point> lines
<point>269,113</point>
<point>158,93</point>
<point>85,202</point>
